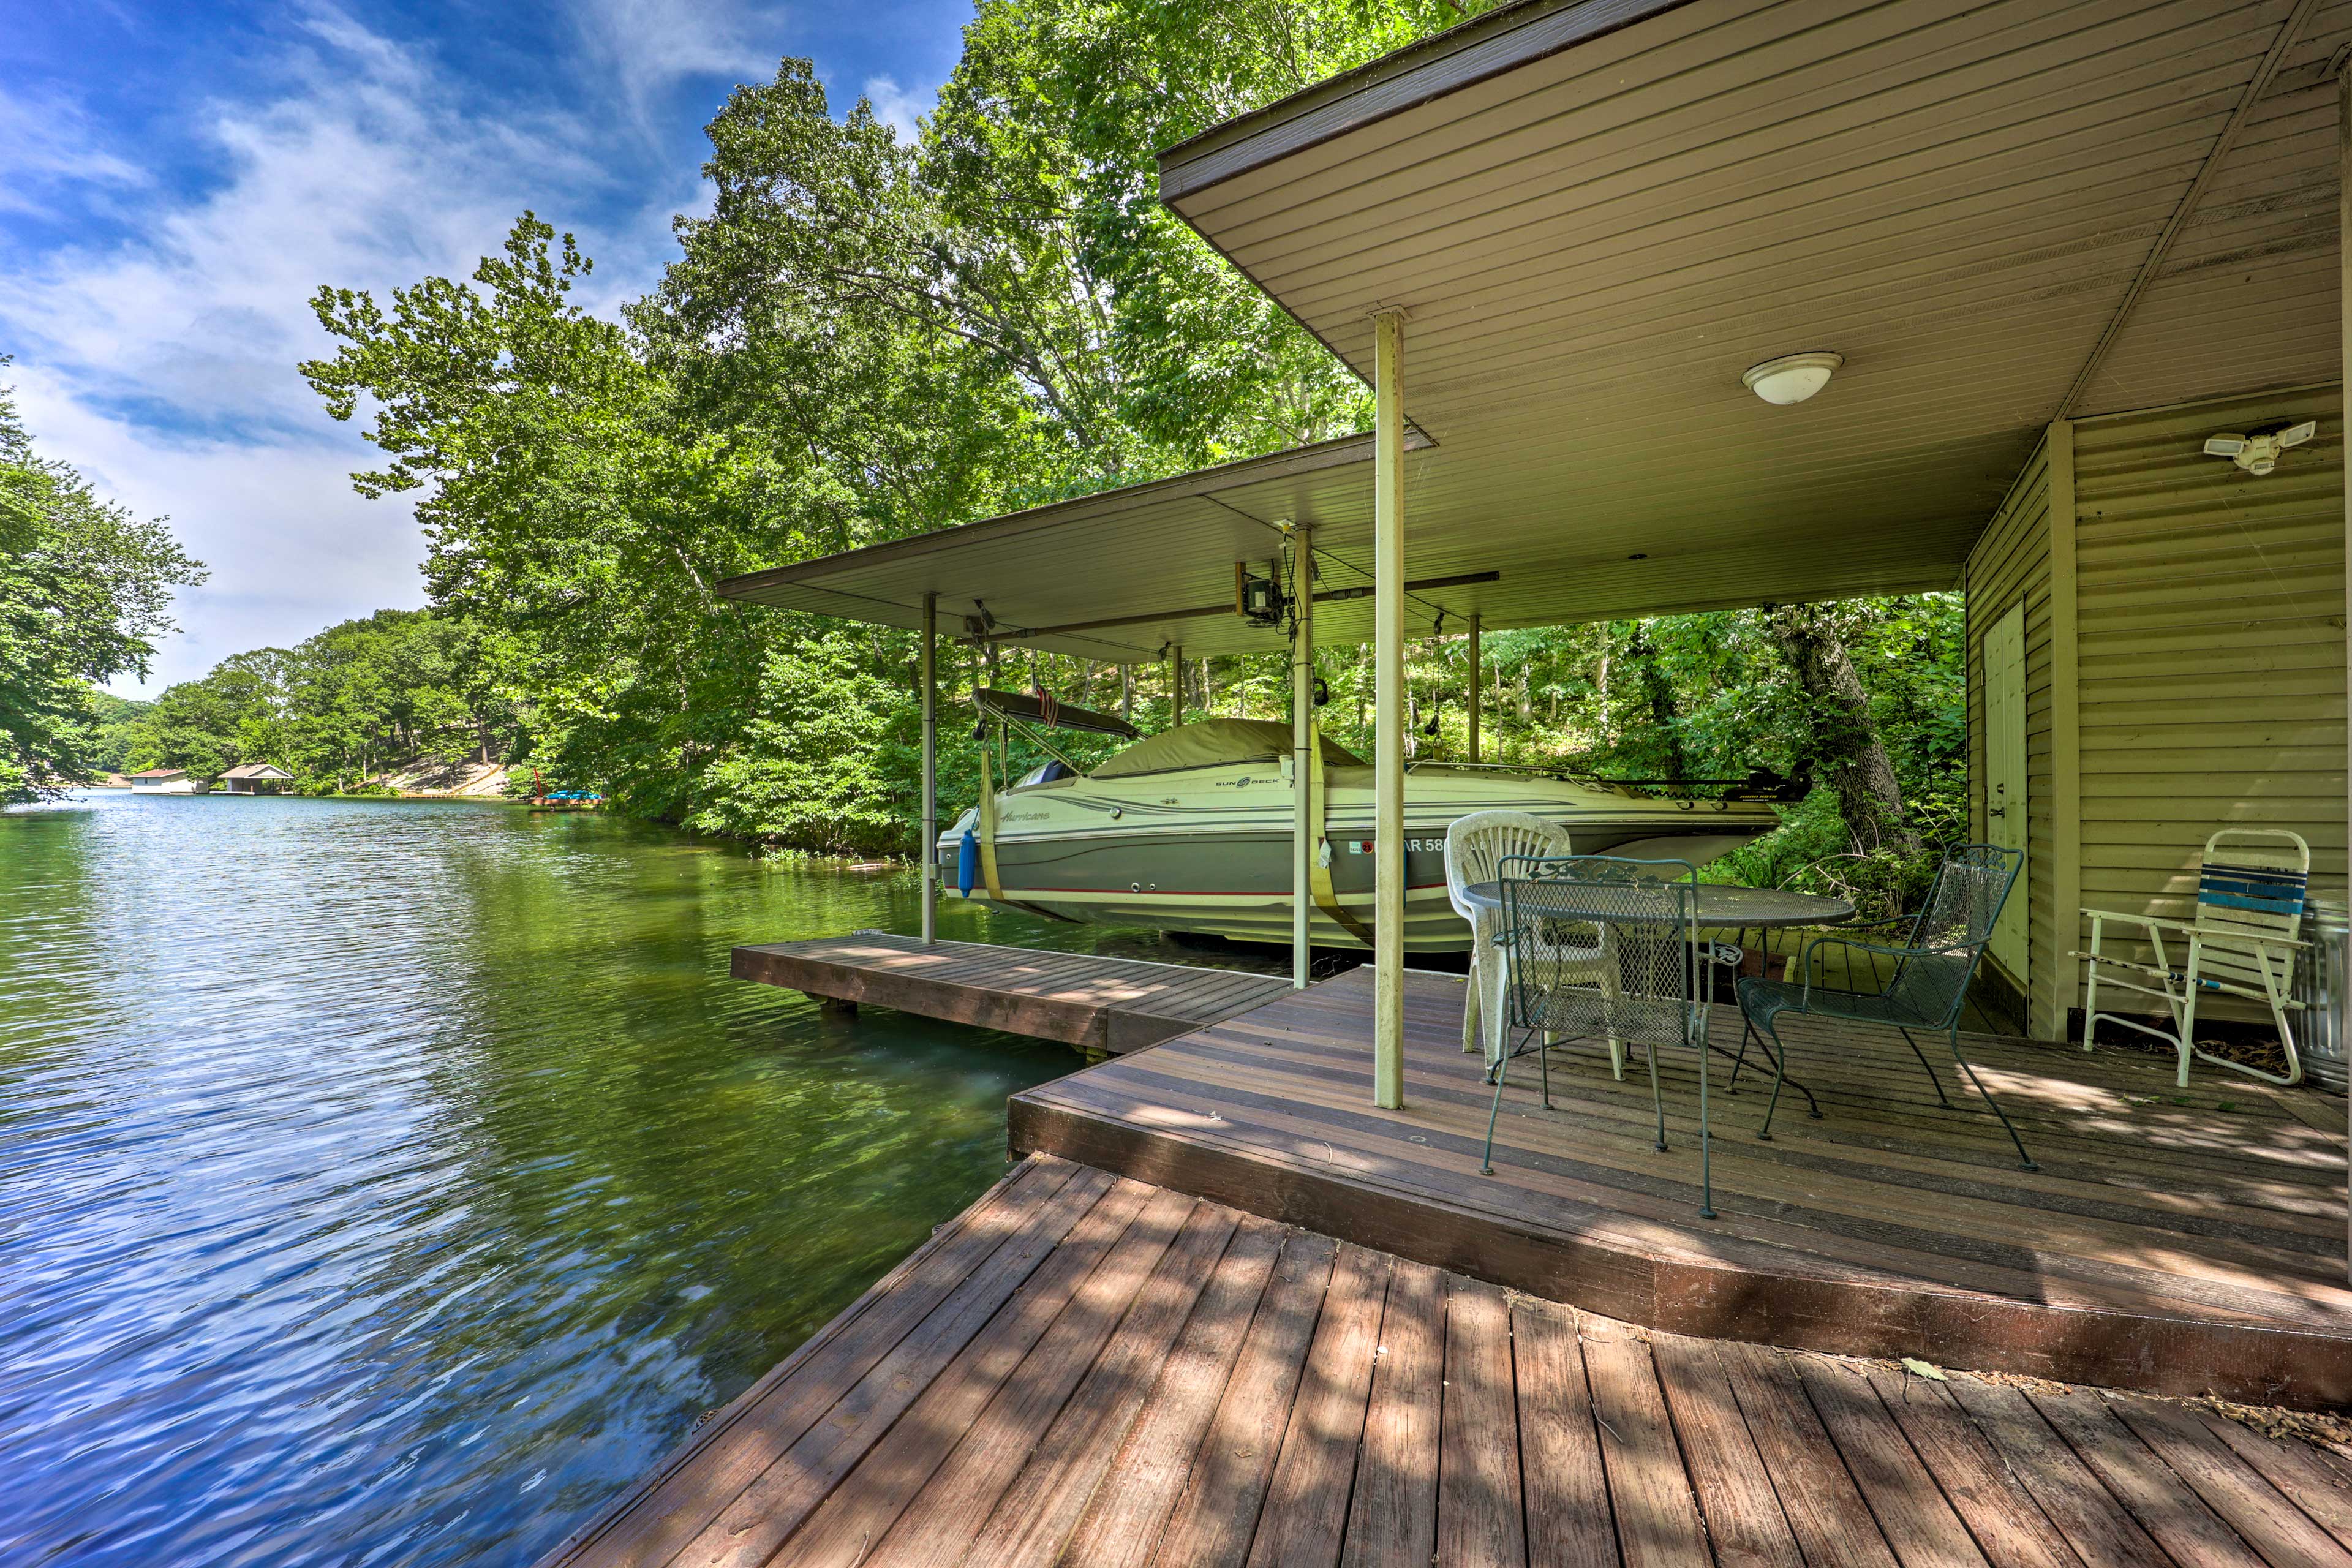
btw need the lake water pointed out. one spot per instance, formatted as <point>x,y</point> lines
<point>395,1182</point>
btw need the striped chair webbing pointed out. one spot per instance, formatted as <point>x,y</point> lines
<point>2273,891</point>
<point>2259,899</point>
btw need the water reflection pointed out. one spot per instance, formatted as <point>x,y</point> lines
<point>392,1181</point>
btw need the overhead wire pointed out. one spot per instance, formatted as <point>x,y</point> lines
<point>1438,612</point>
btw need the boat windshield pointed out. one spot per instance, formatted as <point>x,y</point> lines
<point>1211,742</point>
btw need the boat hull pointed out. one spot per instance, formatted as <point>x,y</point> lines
<point>1208,850</point>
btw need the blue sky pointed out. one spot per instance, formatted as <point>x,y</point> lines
<point>175,179</point>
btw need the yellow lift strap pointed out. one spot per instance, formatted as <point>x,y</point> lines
<point>987,825</point>
<point>1318,860</point>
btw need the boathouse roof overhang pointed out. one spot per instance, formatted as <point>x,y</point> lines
<point>1596,215</point>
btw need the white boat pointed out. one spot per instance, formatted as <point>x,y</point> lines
<point>1192,831</point>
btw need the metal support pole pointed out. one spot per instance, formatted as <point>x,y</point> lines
<point>1388,706</point>
<point>1477,687</point>
<point>1175,685</point>
<point>2344,347</point>
<point>1302,751</point>
<point>929,846</point>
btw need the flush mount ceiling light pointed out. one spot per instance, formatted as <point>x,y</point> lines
<point>1791,378</point>
<point>2257,451</point>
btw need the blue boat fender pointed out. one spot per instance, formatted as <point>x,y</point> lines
<point>967,862</point>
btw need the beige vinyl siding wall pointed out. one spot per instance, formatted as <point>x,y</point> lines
<point>2212,646</point>
<point>2012,561</point>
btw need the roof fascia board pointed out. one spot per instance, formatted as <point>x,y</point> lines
<point>1289,464</point>
<point>1484,46</point>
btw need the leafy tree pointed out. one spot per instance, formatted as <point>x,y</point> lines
<point>393,688</point>
<point>571,516</point>
<point>869,337</point>
<point>116,720</point>
<point>203,725</point>
<point>85,591</point>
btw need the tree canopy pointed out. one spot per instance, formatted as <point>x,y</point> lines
<point>397,689</point>
<point>869,336</point>
<point>85,591</point>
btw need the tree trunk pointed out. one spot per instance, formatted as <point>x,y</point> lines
<point>1601,688</point>
<point>1660,694</point>
<point>1846,738</point>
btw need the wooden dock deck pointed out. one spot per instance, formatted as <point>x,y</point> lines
<point>1084,1369</point>
<point>2174,1241</point>
<point>1104,1004</point>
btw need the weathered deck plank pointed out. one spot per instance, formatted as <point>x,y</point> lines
<point>2172,1242</point>
<point>1107,1004</point>
<point>1171,1381</point>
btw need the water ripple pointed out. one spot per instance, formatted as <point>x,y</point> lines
<point>391,1183</point>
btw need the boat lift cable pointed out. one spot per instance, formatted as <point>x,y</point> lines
<point>1031,735</point>
<point>1012,633</point>
<point>1438,611</point>
<point>1269,527</point>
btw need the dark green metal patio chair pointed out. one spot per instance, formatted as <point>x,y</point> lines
<point>1927,990</point>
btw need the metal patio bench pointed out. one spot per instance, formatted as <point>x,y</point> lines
<point>1927,989</point>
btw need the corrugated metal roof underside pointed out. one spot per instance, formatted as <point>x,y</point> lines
<point>1955,196</point>
<point>1592,244</point>
<point>1116,556</point>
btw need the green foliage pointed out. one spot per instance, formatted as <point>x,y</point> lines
<point>85,590</point>
<point>117,720</point>
<point>867,338</point>
<point>398,688</point>
<point>820,766</point>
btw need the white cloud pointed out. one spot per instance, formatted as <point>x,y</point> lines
<point>646,45</point>
<point>45,144</point>
<point>291,546</point>
<point>164,365</point>
<point>900,106</point>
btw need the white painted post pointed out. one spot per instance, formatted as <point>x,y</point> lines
<point>930,769</point>
<point>1302,751</point>
<point>1175,685</point>
<point>1388,708</point>
<point>1477,687</point>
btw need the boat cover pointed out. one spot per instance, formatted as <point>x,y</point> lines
<point>1214,741</point>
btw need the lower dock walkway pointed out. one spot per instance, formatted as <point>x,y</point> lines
<point>1107,1005</point>
<point>1088,1368</point>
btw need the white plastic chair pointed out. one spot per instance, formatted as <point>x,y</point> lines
<point>1475,847</point>
<point>2243,942</point>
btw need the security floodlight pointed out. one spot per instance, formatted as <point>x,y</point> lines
<point>2257,451</point>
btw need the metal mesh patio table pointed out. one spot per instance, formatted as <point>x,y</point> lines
<point>1719,907</point>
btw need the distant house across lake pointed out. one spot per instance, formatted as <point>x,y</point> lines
<point>166,780</point>
<point>255,778</point>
